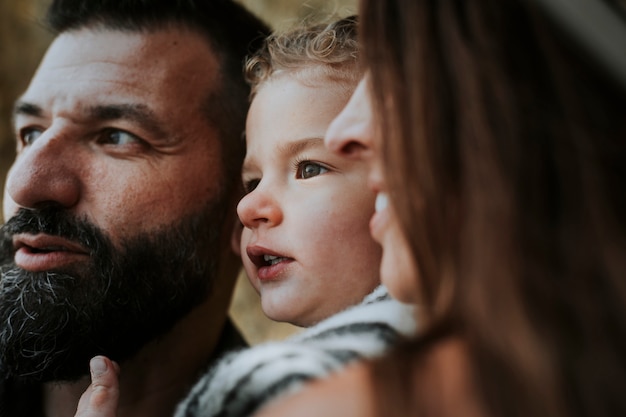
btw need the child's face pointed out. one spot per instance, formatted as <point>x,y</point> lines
<point>306,245</point>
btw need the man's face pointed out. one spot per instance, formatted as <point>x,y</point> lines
<point>116,163</point>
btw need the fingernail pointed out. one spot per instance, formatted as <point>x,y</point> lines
<point>98,365</point>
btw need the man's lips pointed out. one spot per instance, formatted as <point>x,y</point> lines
<point>269,263</point>
<point>43,252</point>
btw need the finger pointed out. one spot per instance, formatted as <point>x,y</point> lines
<point>101,397</point>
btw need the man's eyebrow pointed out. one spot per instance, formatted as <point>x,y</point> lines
<point>27,109</point>
<point>137,113</point>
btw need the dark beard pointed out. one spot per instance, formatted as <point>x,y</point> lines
<point>52,323</point>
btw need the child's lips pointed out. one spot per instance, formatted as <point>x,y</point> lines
<point>275,271</point>
<point>269,263</point>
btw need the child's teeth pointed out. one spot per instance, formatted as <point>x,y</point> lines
<point>381,201</point>
<point>272,259</point>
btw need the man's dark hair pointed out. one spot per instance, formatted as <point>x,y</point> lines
<point>231,31</point>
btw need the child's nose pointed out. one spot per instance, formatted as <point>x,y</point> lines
<point>259,207</point>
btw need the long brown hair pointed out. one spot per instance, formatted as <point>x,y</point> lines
<point>508,152</point>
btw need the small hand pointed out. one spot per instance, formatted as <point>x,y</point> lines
<point>102,396</point>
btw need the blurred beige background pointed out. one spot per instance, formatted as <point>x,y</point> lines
<point>23,41</point>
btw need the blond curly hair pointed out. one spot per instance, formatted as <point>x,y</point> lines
<point>331,48</point>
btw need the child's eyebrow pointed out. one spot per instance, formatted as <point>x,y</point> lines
<point>297,146</point>
<point>286,150</point>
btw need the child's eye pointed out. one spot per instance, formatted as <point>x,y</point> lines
<point>250,185</point>
<point>308,169</point>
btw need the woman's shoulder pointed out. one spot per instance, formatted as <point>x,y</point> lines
<point>346,393</point>
<point>442,378</point>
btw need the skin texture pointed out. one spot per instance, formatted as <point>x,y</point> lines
<point>352,135</point>
<point>304,203</point>
<point>73,157</point>
<point>446,372</point>
<point>347,393</point>
<point>102,396</point>
<point>138,172</point>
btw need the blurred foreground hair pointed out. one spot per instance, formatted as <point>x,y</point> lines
<point>505,143</point>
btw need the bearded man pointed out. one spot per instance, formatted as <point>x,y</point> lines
<point>120,203</point>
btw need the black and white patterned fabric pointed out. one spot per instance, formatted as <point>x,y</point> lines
<point>242,381</point>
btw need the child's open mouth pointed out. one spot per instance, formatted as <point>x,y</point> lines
<point>273,259</point>
<point>268,260</point>
<point>265,258</point>
<point>270,265</point>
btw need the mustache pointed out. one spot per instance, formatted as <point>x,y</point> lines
<point>53,322</point>
<point>54,222</point>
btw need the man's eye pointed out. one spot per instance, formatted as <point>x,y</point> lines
<point>30,135</point>
<point>308,169</point>
<point>119,137</point>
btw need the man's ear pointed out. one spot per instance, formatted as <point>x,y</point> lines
<point>235,238</point>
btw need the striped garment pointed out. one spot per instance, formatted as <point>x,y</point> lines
<point>244,380</point>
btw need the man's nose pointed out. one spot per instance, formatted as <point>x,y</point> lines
<point>44,173</point>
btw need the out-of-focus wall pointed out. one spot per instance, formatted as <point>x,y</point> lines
<point>22,44</point>
<point>281,14</point>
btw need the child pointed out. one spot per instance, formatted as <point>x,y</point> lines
<point>305,243</point>
<point>305,246</point>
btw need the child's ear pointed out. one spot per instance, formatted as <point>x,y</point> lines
<point>235,238</point>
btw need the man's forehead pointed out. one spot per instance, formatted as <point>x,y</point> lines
<point>112,65</point>
<point>172,41</point>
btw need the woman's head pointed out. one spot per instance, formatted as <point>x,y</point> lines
<point>500,141</point>
<point>355,136</point>
<point>504,155</point>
